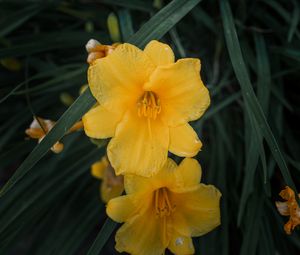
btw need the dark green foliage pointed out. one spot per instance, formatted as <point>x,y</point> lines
<point>249,51</point>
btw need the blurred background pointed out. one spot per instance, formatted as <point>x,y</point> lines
<point>56,208</point>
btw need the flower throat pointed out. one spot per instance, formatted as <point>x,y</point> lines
<point>149,105</point>
<point>163,204</point>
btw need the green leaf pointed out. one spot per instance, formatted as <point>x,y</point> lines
<point>16,19</point>
<point>102,237</point>
<point>125,24</point>
<point>250,98</point>
<point>162,22</point>
<point>37,43</point>
<point>132,4</point>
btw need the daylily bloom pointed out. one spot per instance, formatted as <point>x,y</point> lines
<point>112,186</point>
<point>289,208</point>
<point>40,127</point>
<point>165,210</point>
<point>145,103</point>
<point>97,50</point>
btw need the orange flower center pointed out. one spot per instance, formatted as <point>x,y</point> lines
<point>149,105</point>
<point>163,204</point>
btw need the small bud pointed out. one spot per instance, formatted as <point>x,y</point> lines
<point>91,45</point>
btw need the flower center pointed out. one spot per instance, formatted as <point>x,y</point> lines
<point>149,105</point>
<point>163,205</point>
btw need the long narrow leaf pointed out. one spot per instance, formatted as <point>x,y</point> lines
<point>250,98</point>
<point>163,21</point>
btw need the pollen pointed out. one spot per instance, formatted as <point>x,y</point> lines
<point>149,105</point>
<point>163,204</point>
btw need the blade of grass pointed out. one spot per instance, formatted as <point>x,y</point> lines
<point>18,18</point>
<point>177,42</point>
<point>240,70</point>
<point>132,4</point>
<point>125,24</point>
<point>294,21</point>
<point>102,237</point>
<point>162,22</point>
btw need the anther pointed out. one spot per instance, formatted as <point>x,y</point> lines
<point>149,105</point>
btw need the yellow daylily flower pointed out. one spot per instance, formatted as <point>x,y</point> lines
<point>40,127</point>
<point>289,208</point>
<point>145,103</point>
<point>112,186</point>
<point>96,50</point>
<point>165,210</point>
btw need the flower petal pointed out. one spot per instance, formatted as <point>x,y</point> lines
<point>181,91</point>
<point>197,211</point>
<point>139,184</point>
<point>116,81</point>
<point>181,245</point>
<point>100,123</point>
<point>143,234</point>
<point>140,146</point>
<point>121,208</point>
<point>159,53</point>
<point>184,141</point>
<point>188,174</point>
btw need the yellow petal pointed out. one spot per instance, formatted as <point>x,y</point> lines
<point>116,81</point>
<point>100,123</point>
<point>110,192</point>
<point>184,141</point>
<point>197,211</point>
<point>140,146</point>
<point>159,53</point>
<point>121,208</point>
<point>181,91</point>
<point>98,168</point>
<point>188,174</point>
<point>181,245</point>
<point>139,184</point>
<point>143,234</point>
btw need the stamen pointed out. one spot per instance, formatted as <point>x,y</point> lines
<point>163,205</point>
<point>149,105</point>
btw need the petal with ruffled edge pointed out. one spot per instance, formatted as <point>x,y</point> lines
<point>197,211</point>
<point>116,81</point>
<point>181,91</point>
<point>143,234</point>
<point>138,184</point>
<point>140,146</point>
<point>159,53</point>
<point>100,123</point>
<point>184,141</point>
<point>187,175</point>
<point>181,245</point>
